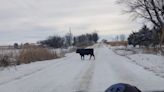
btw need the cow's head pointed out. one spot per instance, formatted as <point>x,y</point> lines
<point>78,51</point>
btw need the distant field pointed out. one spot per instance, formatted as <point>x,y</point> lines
<point>118,43</point>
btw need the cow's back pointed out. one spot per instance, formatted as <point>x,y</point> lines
<point>79,50</point>
<point>89,51</point>
<point>85,51</point>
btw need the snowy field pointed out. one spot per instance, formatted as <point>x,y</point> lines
<point>150,62</point>
<point>70,74</point>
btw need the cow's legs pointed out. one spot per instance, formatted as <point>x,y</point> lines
<point>82,57</point>
<point>91,56</point>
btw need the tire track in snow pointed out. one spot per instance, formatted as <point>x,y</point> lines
<point>85,80</point>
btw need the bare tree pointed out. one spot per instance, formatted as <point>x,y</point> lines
<point>53,41</point>
<point>69,39</point>
<point>95,37</point>
<point>150,10</point>
<point>16,46</point>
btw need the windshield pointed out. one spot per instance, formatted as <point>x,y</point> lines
<point>81,45</point>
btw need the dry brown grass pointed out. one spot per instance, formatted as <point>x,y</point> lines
<point>6,59</point>
<point>118,43</point>
<point>27,55</point>
<point>32,54</point>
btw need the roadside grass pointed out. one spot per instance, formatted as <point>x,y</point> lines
<point>27,55</point>
<point>33,54</point>
<point>117,43</point>
<point>7,58</point>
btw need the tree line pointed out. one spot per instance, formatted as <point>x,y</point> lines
<point>151,11</point>
<point>70,40</point>
<point>145,37</point>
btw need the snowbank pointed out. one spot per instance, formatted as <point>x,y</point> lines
<point>124,52</point>
<point>150,62</point>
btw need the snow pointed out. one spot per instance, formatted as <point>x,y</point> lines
<point>116,69</point>
<point>71,74</point>
<point>150,62</point>
<point>123,52</point>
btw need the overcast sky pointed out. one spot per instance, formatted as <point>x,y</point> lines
<point>34,20</point>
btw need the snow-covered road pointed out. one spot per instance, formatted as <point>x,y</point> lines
<point>70,74</point>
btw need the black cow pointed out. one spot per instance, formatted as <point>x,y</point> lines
<point>84,52</point>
